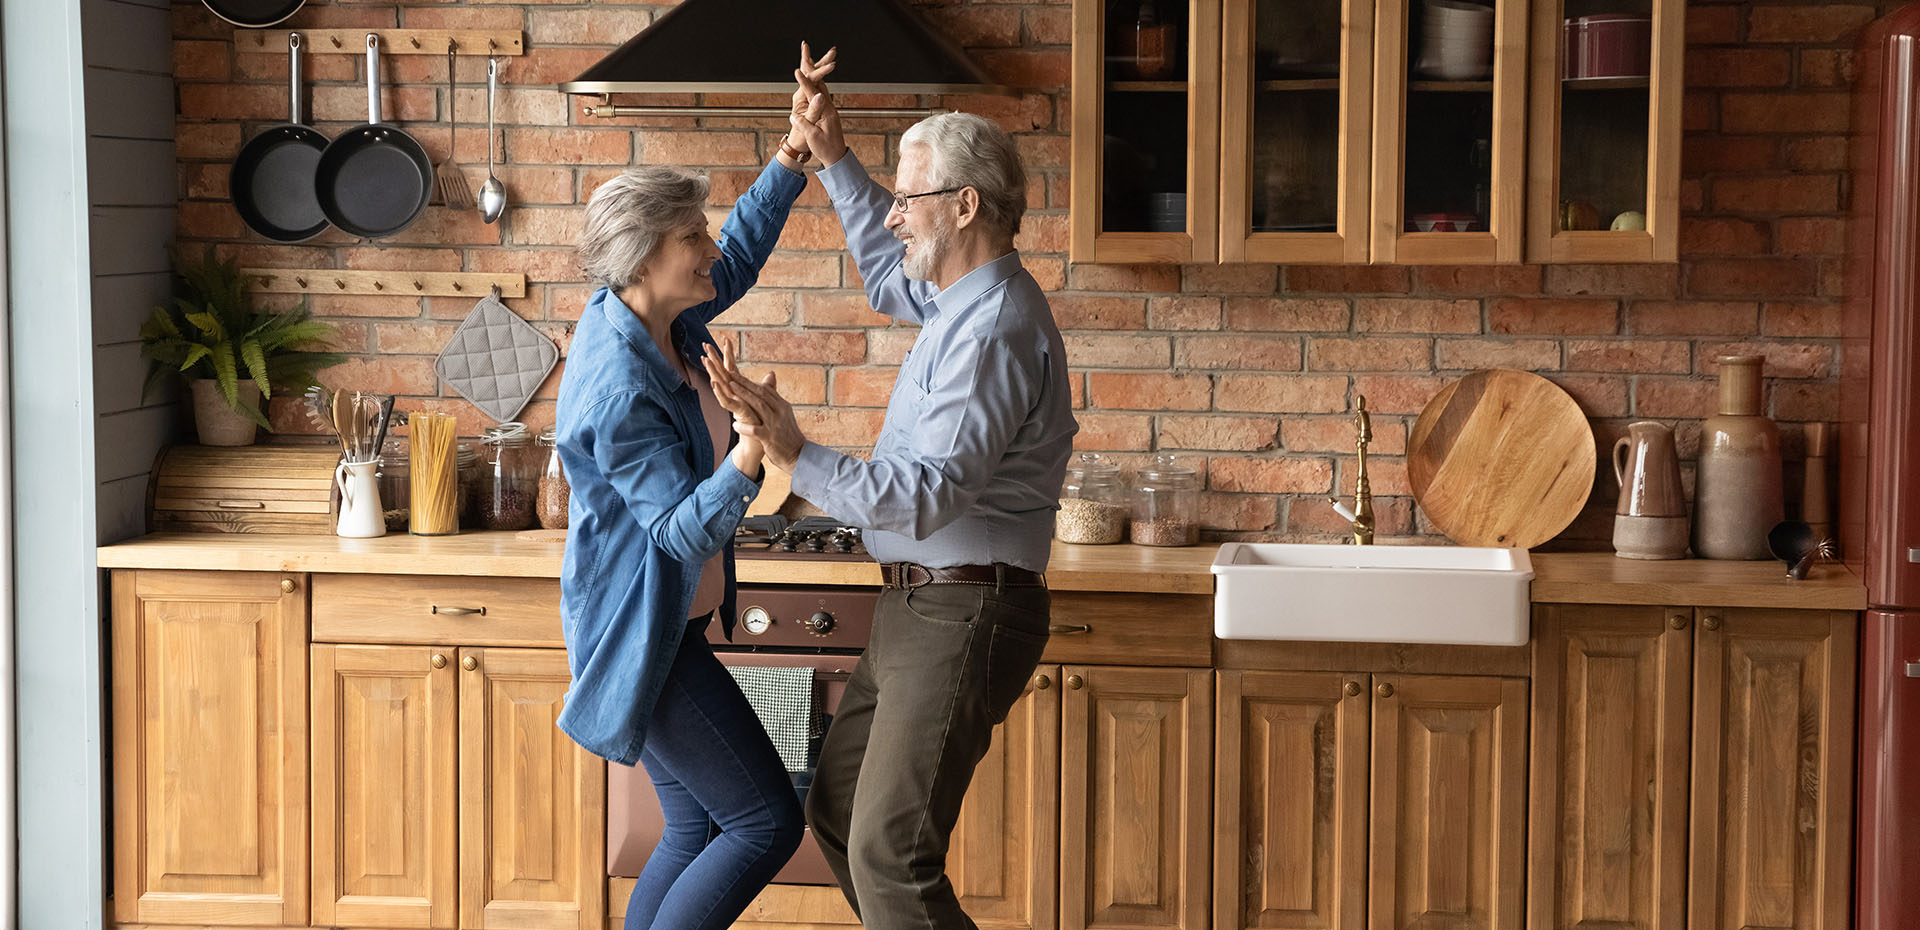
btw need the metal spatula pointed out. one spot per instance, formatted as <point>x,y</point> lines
<point>446,175</point>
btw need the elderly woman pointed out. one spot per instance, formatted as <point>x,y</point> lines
<point>657,493</point>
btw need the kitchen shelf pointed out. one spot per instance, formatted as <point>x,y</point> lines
<point>1148,87</point>
<point>1299,84</point>
<point>1606,83</point>
<point>388,283</point>
<point>1452,87</point>
<point>392,41</point>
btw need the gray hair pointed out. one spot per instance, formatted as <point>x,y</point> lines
<point>973,151</point>
<point>627,216</point>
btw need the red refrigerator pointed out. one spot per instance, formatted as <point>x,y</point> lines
<point>1880,463</point>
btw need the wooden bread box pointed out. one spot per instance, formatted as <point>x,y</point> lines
<point>244,489</point>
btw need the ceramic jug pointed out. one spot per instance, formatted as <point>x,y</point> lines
<point>1650,521</point>
<point>360,513</point>
<point>1737,495</point>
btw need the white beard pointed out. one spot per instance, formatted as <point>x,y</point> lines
<point>921,263</point>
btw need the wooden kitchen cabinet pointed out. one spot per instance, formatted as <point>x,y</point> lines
<point>209,747</point>
<point>1003,858</point>
<point>1724,735</point>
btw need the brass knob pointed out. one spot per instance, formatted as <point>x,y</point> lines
<point>439,661</point>
<point>1677,621</point>
<point>1352,688</point>
<point>1711,622</point>
<point>286,586</point>
<point>1076,682</point>
<point>1385,690</point>
<point>1042,682</point>
<point>469,663</point>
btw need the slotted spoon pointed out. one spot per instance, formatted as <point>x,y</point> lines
<point>446,175</point>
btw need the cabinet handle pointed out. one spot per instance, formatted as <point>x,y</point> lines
<point>1711,622</point>
<point>1352,688</point>
<point>469,663</point>
<point>459,611</point>
<point>286,586</point>
<point>1385,690</point>
<point>1069,629</point>
<point>241,505</point>
<point>1076,682</point>
<point>1042,682</point>
<point>439,661</point>
<point>1677,621</point>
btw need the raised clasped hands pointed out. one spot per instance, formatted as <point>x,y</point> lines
<point>814,124</point>
<point>760,414</point>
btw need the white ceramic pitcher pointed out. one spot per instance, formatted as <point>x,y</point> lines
<point>360,513</point>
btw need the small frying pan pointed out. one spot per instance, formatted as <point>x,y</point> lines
<point>374,180</point>
<point>254,13</point>
<point>272,180</point>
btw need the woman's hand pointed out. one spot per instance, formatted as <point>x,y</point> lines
<point>794,150</point>
<point>814,122</point>
<point>759,412</point>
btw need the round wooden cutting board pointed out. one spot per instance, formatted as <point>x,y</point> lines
<point>1501,458</point>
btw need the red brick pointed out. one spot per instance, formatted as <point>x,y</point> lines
<point>1627,355</point>
<point>841,428</point>
<point>219,141</point>
<point>889,346</point>
<point>1827,67</point>
<point>1101,350</point>
<point>1821,22</point>
<point>567,303</point>
<point>1077,390</point>
<point>1113,431</point>
<point>1477,280</point>
<point>389,375</point>
<point>204,61</point>
<point>568,146</point>
<point>978,27</point>
<point>1699,112</point>
<point>1269,475</point>
<point>1183,313</point>
<point>1555,316</point>
<point>1026,67</point>
<point>1075,312</point>
<point>1239,512</point>
<point>821,347</point>
<point>1124,391</point>
<point>1396,394</point>
<point>549,65</point>
<point>1050,25</point>
<point>1777,112</point>
<point>1598,395</point>
<point>1802,320</point>
<point>823,309</point>
<point>1224,280</point>
<point>1335,434</point>
<point>1311,519</point>
<point>547,225</point>
<point>241,102</point>
<point>1819,154</point>
<point>1623,280</point>
<point>1388,477</point>
<point>1147,279</point>
<point>1289,314</point>
<point>814,230</point>
<point>1700,154</point>
<point>1693,196</point>
<point>1348,279</point>
<point>440,226</point>
<point>388,259</point>
<point>1254,353</point>
<point>1394,315</point>
<point>1712,24</point>
<point>760,307</point>
<point>1733,277</point>
<point>697,148</point>
<point>863,387</point>
<point>352,338</point>
<point>1286,394</point>
<point>204,181</point>
<point>1833,277</point>
<point>1021,113</point>
<point>1804,401</point>
<point>200,219</point>
<point>1692,318</point>
<point>1675,398</point>
<point>415,337</point>
<point>1709,236</point>
<point>1049,273</point>
<point>1784,360</point>
<point>1789,194</point>
<point>1232,434</point>
<point>1808,235</point>
<point>275,256</point>
<point>1738,67</point>
<point>1524,354</point>
<point>534,106</point>
<point>788,269</point>
<point>1372,353</point>
<point>586,27</point>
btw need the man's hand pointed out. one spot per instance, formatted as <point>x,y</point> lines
<point>814,122</point>
<point>759,412</point>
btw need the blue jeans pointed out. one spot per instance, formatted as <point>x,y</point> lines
<point>732,818</point>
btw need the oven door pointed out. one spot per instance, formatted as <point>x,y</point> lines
<point>634,821</point>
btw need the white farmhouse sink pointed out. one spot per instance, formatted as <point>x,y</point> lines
<point>1395,594</point>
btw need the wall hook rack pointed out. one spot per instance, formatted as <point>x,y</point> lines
<point>392,41</point>
<point>420,283</point>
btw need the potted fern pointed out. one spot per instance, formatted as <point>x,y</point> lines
<point>231,354</point>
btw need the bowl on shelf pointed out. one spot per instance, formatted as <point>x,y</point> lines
<point>1167,211</point>
<point>1444,222</point>
<point>1457,40</point>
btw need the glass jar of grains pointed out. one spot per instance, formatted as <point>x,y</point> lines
<point>466,464</point>
<point>1093,502</point>
<point>1166,504</point>
<point>509,478</point>
<point>396,491</point>
<point>554,493</point>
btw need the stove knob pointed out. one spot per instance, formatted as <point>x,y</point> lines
<point>820,624</point>
<point>786,544</point>
<point>816,544</point>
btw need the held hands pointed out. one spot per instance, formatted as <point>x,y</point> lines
<point>809,74</point>
<point>814,122</point>
<point>760,414</point>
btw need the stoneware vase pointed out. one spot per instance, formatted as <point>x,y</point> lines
<point>217,423</point>
<point>1737,495</point>
<point>1650,521</point>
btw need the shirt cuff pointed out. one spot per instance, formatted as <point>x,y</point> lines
<point>812,469</point>
<point>844,176</point>
<point>738,484</point>
<point>786,182</point>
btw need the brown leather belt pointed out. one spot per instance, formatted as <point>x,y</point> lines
<point>913,575</point>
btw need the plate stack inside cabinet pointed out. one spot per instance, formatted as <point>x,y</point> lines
<point>244,489</point>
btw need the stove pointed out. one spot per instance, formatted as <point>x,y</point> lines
<point>773,535</point>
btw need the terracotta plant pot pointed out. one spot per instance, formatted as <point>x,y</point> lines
<point>218,423</point>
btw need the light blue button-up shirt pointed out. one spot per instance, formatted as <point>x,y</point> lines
<point>968,465</point>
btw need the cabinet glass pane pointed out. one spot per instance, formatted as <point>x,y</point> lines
<point>1144,151</point>
<point>1295,185</point>
<point>1449,116</point>
<point>1605,56</point>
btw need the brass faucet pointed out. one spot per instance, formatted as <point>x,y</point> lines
<point>1361,516</point>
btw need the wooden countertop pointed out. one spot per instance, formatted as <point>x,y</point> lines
<point>1559,577</point>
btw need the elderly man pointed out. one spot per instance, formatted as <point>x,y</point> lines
<point>957,500</point>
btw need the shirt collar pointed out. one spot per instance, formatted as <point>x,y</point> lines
<point>976,283</point>
<point>627,324</point>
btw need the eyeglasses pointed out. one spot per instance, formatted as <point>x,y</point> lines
<point>904,202</point>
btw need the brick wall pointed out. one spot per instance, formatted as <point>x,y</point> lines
<point>1246,371</point>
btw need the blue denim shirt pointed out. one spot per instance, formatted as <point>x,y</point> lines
<point>648,507</point>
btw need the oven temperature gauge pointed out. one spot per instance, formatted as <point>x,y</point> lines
<point>756,620</point>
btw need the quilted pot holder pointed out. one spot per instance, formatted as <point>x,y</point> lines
<point>496,359</point>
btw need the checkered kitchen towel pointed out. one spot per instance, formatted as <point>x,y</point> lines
<point>783,700</point>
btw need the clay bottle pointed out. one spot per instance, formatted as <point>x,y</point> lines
<point>1737,495</point>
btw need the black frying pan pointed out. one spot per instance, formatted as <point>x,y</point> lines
<point>272,179</point>
<point>255,13</point>
<point>373,180</point>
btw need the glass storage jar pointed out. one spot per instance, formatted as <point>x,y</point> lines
<point>554,492</point>
<point>466,464</point>
<point>1093,502</point>
<point>395,479</point>
<point>509,478</point>
<point>1166,504</point>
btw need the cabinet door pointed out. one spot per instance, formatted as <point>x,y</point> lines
<point>1004,856</point>
<point>384,786</point>
<point>1772,769</point>
<point>1296,153</point>
<point>1605,127</point>
<point>209,747</point>
<point>1448,802</point>
<point>1608,832</point>
<point>1135,748</point>
<point>1449,136</point>
<point>1290,847</point>
<point>533,805</point>
<point>1146,108</point>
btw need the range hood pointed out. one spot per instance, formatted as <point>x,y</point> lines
<point>752,47</point>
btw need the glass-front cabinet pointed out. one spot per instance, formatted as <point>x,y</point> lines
<point>1403,131</point>
<point>1605,171</point>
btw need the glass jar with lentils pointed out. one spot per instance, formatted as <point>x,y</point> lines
<point>554,493</point>
<point>509,478</point>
